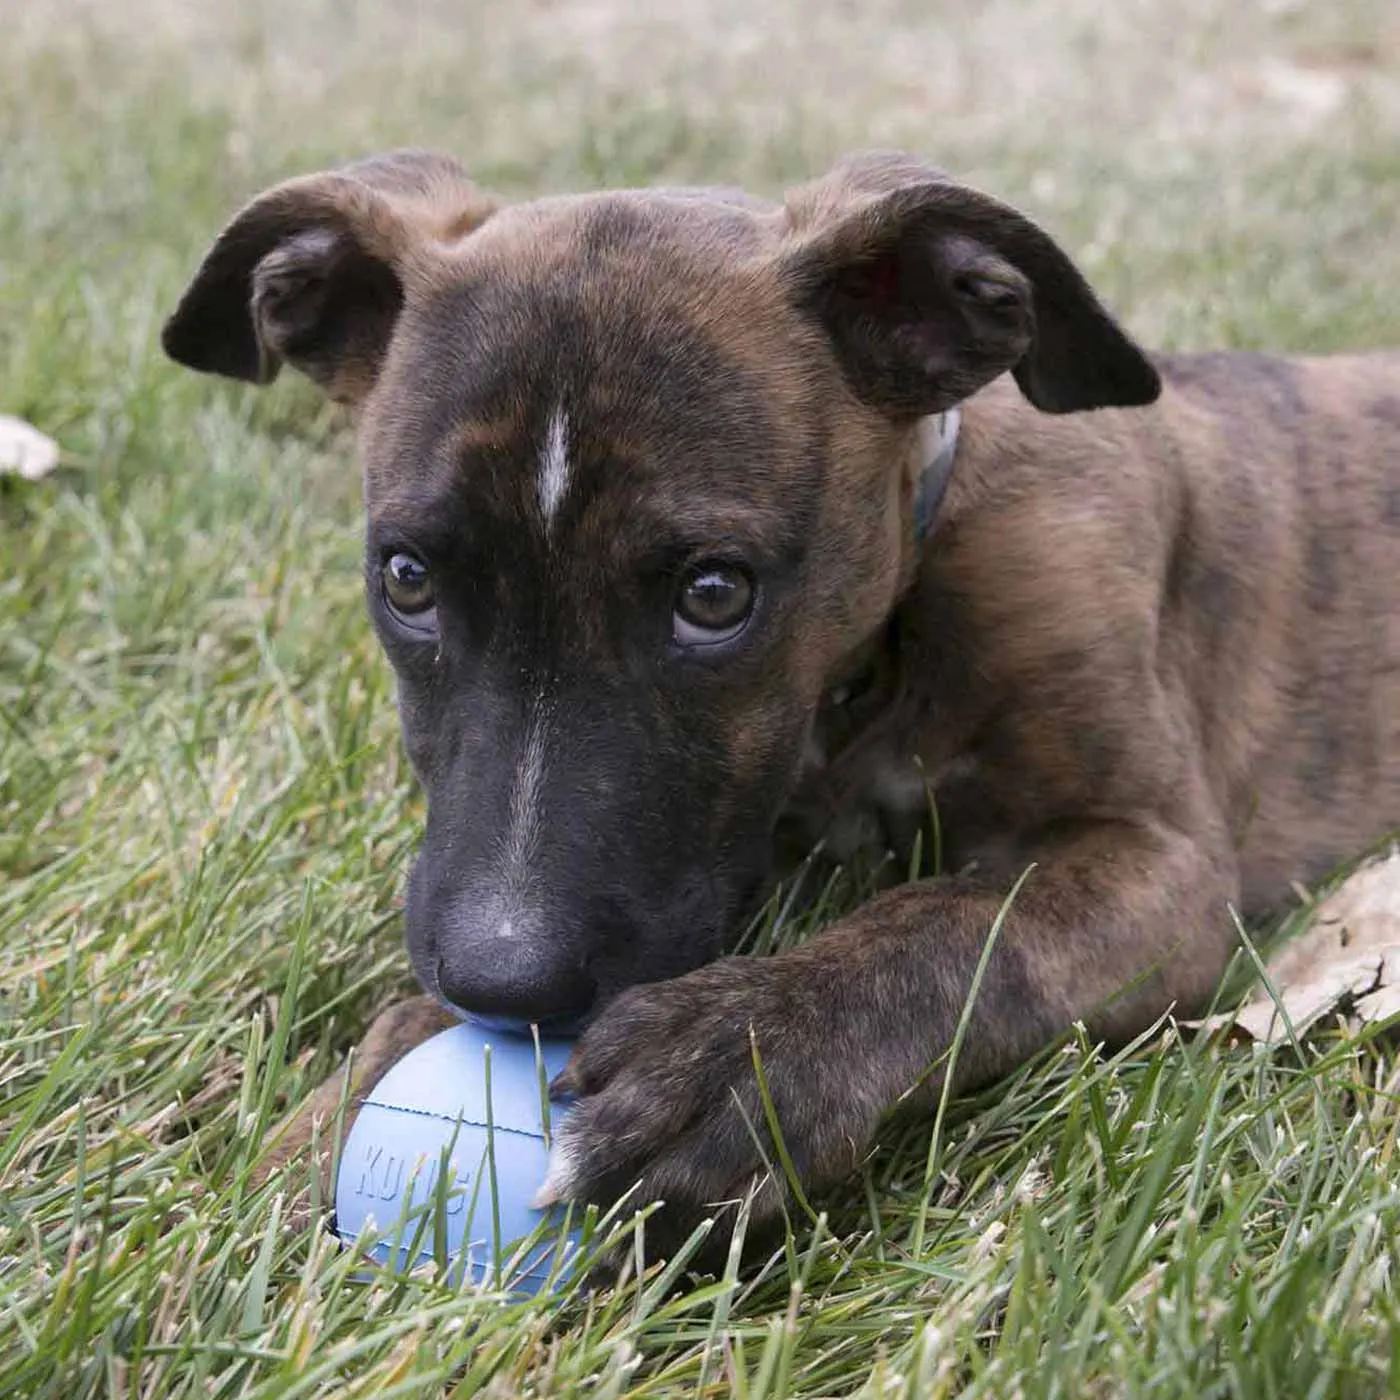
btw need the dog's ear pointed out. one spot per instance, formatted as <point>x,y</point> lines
<point>929,290</point>
<point>312,271</point>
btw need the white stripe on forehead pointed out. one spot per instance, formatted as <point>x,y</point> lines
<point>554,465</point>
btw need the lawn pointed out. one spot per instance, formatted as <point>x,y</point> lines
<point>205,813</point>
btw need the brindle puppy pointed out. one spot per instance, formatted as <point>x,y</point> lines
<point>649,480</point>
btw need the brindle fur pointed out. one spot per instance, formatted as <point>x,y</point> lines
<point>1152,648</point>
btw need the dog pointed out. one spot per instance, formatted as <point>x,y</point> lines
<point>703,529</point>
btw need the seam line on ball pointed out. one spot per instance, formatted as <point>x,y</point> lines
<point>454,1119</point>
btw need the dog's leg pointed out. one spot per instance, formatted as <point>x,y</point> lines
<point>1116,923</point>
<point>309,1129</point>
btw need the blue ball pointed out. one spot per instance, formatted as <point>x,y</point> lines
<point>435,1100</point>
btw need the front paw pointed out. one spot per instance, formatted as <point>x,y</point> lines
<point>669,1106</point>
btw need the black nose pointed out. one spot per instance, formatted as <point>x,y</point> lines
<point>514,979</point>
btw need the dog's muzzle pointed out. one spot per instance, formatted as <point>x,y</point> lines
<point>514,978</point>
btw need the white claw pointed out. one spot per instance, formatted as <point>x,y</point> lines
<point>558,1183</point>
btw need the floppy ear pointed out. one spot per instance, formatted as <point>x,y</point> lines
<point>929,290</point>
<point>312,271</point>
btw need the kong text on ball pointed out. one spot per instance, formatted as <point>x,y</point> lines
<point>491,1125</point>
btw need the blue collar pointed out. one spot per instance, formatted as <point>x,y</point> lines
<point>938,440</point>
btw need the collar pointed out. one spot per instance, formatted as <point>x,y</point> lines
<point>938,447</point>
<point>938,443</point>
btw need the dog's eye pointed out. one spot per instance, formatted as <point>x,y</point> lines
<point>408,586</point>
<point>712,605</point>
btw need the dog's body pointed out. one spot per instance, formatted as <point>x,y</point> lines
<point>644,473</point>
<point>1189,607</point>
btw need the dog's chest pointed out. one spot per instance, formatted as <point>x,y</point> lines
<point>873,787</point>
<point>863,792</point>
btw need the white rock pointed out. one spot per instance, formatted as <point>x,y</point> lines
<point>24,450</point>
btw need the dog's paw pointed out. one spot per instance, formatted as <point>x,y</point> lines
<point>669,1106</point>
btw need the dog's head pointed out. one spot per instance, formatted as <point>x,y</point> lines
<point>639,472</point>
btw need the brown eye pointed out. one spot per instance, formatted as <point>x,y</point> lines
<point>408,586</point>
<point>712,605</point>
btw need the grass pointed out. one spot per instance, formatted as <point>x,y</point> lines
<point>204,813</point>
